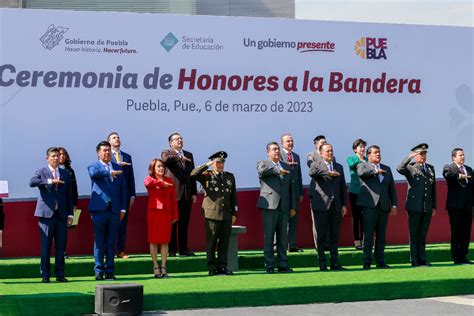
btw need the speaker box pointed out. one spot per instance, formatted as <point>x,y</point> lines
<point>119,299</point>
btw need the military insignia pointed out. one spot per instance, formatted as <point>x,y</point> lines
<point>227,190</point>
<point>229,182</point>
<point>213,182</point>
<point>217,189</point>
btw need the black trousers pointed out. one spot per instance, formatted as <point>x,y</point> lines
<point>357,220</point>
<point>275,222</point>
<point>179,230</point>
<point>328,225</point>
<point>418,223</point>
<point>375,224</point>
<point>461,222</point>
<point>217,236</point>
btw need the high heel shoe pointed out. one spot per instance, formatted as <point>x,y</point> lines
<point>157,275</point>
<point>358,245</point>
<point>164,274</point>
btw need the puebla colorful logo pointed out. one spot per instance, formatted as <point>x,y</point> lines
<point>371,48</point>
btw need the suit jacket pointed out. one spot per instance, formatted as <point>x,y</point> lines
<point>220,195</point>
<point>296,174</point>
<point>327,189</point>
<point>161,197</point>
<point>421,194</point>
<point>372,191</point>
<point>275,189</point>
<point>128,173</point>
<point>310,158</point>
<point>460,193</point>
<point>105,191</point>
<point>181,174</point>
<point>52,195</point>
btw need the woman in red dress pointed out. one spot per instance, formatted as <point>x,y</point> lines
<point>162,212</point>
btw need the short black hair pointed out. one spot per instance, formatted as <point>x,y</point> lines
<point>455,151</point>
<point>171,136</point>
<point>50,150</point>
<point>270,144</point>
<point>371,147</point>
<point>357,142</point>
<point>103,143</point>
<point>318,138</point>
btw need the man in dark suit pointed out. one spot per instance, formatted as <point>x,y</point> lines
<point>219,208</point>
<point>54,210</point>
<point>277,202</point>
<point>459,204</point>
<point>179,163</point>
<point>312,156</point>
<point>293,160</point>
<point>124,160</point>
<point>421,200</point>
<point>328,204</point>
<point>377,195</point>
<point>108,205</point>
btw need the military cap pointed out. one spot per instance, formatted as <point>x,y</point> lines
<point>317,138</point>
<point>420,148</point>
<point>219,156</point>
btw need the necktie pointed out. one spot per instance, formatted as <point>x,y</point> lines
<point>462,170</point>
<point>379,175</point>
<point>55,176</point>
<point>108,167</point>
<point>423,169</point>
<point>117,156</point>
<point>221,177</point>
<point>330,167</point>
<point>289,157</point>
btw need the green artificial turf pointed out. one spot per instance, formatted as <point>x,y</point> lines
<point>246,288</point>
<point>248,260</point>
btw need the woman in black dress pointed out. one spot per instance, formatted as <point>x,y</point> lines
<point>65,163</point>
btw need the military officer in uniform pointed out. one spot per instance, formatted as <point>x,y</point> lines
<point>219,208</point>
<point>420,202</point>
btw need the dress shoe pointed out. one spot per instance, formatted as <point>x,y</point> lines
<point>99,276</point>
<point>45,280</point>
<point>224,271</point>
<point>366,266</point>
<point>415,264</point>
<point>295,249</point>
<point>285,270</point>
<point>61,279</point>
<point>122,255</point>
<point>337,267</point>
<point>466,261</point>
<point>382,265</point>
<point>323,268</point>
<point>212,272</point>
<point>270,270</point>
<point>110,277</point>
<point>424,263</point>
<point>187,254</point>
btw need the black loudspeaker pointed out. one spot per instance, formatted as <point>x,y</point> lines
<point>119,299</point>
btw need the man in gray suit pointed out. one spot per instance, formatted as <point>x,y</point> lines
<point>277,202</point>
<point>310,158</point>
<point>377,194</point>
<point>293,160</point>
<point>421,200</point>
<point>328,203</point>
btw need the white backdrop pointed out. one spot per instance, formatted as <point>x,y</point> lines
<point>34,116</point>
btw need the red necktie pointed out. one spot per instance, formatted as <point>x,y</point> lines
<point>290,158</point>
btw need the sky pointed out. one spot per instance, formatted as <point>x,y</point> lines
<point>426,12</point>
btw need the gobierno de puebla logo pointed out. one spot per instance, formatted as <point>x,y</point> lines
<point>371,47</point>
